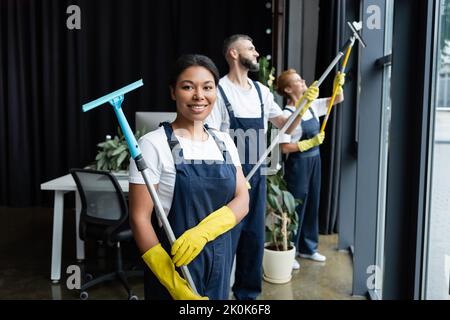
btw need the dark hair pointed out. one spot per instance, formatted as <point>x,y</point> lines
<point>231,39</point>
<point>188,60</point>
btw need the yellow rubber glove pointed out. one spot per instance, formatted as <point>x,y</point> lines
<point>312,93</point>
<point>338,82</point>
<point>158,260</point>
<point>305,145</point>
<point>192,241</point>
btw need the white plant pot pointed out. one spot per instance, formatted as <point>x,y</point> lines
<point>277,265</point>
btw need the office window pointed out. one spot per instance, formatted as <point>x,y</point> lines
<point>384,148</point>
<point>437,257</point>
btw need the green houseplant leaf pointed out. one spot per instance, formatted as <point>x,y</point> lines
<point>281,211</point>
<point>289,201</point>
<point>113,154</point>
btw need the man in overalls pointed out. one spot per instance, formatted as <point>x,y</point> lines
<point>243,107</point>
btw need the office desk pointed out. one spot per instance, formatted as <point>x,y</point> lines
<point>61,186</point>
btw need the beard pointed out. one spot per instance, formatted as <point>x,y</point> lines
<point>249,64</point>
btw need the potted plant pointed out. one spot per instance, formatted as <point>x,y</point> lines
<point>281,217</point>
<point>281,225</point>
<point>113,154</point>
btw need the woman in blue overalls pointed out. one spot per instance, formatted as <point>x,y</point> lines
<point>201,186</point>
<point>303,164</point>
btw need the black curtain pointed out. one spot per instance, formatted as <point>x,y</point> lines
<point>48,71</point>
<point>332,28</point>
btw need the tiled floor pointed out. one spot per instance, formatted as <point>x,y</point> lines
<point>329,280</point>
<point>25,247</point>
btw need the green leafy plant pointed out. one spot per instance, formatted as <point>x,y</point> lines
<point>281,216</point>
<point>266,77</point>
<point>113,154</point>
<point>266,73</point>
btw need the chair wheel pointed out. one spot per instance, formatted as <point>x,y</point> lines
<point>133,297</point>
<point>83,295</point>
<point>88,277</point>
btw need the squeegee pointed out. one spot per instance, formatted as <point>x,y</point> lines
<point>355,27</point>
<point>115,99</point>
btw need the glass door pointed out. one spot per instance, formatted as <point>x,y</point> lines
<point>436,280</point>
<point>384,149</point>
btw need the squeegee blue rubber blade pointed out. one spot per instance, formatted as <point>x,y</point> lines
<point>91,105</point>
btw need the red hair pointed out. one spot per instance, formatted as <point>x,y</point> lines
<point>283,82</point>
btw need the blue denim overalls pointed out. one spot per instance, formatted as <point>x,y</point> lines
<point>200,189</point>
<point>303,174</point>
<point>248,236</point>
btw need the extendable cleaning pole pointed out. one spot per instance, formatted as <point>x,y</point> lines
<point>301,111</point>
<point>115,99</point>
<point>355,27</point>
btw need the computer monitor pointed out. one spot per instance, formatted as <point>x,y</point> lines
<point>149,121</point>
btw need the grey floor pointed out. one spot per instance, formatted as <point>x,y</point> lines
<point>25,249</point>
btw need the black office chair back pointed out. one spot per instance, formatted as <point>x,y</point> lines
<point>102,201</point>
<point>104,215</point>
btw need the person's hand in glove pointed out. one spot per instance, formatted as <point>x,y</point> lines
<point>312,93</point>
<point>305,145</point>
<point>158,260</point>
<point>192,241</point>
<point>338,82</point>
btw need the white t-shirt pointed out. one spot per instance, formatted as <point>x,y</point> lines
<point>158,157</point>
<point>319,106</point>
<point>245,104</point>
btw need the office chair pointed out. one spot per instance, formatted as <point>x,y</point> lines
<point>104,217</point>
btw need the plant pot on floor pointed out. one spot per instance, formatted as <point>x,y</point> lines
<point>277,265</point>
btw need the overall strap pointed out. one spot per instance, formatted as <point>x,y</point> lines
<point>220,143</point>
<point>288,109</point>
<point>312,112</point>
<point>225,99</point>
<point>258,89</point>
<point>169,134</point>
